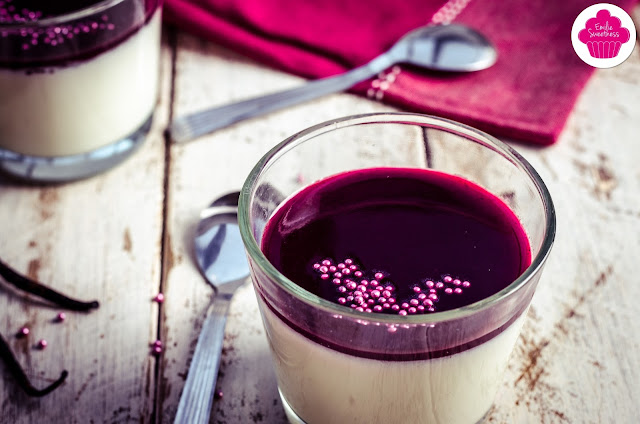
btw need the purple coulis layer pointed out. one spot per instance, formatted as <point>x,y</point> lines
<point>420,240</point>
<point>411,226</point>
<point>24,45</point>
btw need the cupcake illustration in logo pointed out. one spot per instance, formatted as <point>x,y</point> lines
<point>603,35</point>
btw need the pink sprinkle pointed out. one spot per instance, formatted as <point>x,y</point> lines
<point>427,302</point>
<point>326,262</point>
<point>333,268</point>
<point>337,274</point>
<point>456,282</point>
<point>405,305</point>
<point>447,279</point>
<point>457,290</point>
<point>414,302</point>
<point>373,283</point>
<point>439,285</point>
<point>353,267</point>
<point>395,307</point>
<point>340,265</point>
<point>316,266</point>
<point>448,290</point>
<point>411,310</point>
<point>342,289</point>
<point>429,283</point>
<point>386,305</point>
<point>323,269</point>
<point>61,317</point>
<point>360,309</point>
<point>347,271</point>
<point>417,289</point>
<point>386,293</point>
<point>379,276</point>
<point>157,343</point>
<point>382,299</point>
<point>24,331</point>
<point>157,350</point>
<point>377,308</point>
<point>375,293</point>
<point>348,261</point>
<point>337,281</point>
<point>402,312</point>
<point>392,329</point>
<point>42,344</point>
<point>390,288</point>
<point>391,300</point>
<point>466,284</point>
<point>422,296</point>
<point>325,276</point>
<point>342,300</point>
<point>351,285</point>
<point>420,308</point>
<point>433,296</point>
<point>362,288</point>
<point>159,298</point>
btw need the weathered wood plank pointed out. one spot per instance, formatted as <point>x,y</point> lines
<point>202,170</point>
<point>577,358</point>
<point>93,239</point>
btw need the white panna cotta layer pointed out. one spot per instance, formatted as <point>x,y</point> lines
<point>323,386</point>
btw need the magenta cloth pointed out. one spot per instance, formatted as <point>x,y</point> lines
<point>527,95</point>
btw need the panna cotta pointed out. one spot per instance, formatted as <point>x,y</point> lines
<point>323,385</point>
<point>76,76</point>
<point>387,322</point>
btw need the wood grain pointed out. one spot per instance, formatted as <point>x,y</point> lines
<point>199,172</point>
<point>93,239</point>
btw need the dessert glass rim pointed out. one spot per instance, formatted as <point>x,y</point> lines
<point>66,17</point>
<point>253,249</point>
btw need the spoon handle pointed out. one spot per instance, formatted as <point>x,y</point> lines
<point>197,396</point>
<point>188,127</point>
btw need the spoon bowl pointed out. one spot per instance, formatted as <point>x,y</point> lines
<point>218,247</point>
<point>449,48</point>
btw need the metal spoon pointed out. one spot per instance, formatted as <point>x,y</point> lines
<point>452,47</point>
<point>220,256</point>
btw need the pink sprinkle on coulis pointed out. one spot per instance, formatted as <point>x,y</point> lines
<point>375,293</point>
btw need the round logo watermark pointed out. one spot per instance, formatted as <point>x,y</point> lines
<point>603,35</point>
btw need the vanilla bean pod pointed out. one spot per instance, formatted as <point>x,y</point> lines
<point>33,287</point>
<point>23,381</point>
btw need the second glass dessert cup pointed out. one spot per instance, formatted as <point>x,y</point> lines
<point>78,85</point>
<point>335,364</point>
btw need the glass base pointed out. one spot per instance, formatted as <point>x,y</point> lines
<point>74,167</point>
<point>293,418</point>
<point>291,415</point>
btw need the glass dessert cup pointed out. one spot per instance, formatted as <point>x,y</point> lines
<point>335,364</point>
<point>78,85</point>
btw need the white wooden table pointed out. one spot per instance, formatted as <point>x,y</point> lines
<point>124,236</point>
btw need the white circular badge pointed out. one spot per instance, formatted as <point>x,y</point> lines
<point>603,35</point>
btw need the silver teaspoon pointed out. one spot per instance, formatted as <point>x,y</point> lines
<point>220,256</point>
<point>452,48</point>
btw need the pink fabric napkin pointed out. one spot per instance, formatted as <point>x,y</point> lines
<point>527,95</point>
